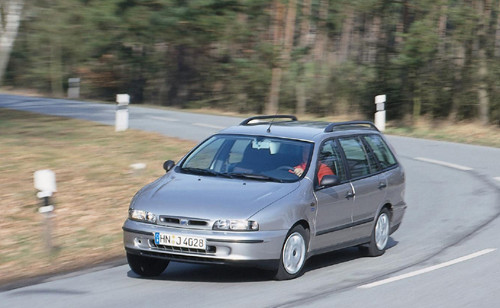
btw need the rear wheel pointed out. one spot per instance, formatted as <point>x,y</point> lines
<point>380,235</point>
<point>146,266</point>
<point>293,254</point>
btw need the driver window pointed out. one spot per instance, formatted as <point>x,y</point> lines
<point>329,156</point>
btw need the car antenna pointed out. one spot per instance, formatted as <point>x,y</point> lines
<point>272,121</point>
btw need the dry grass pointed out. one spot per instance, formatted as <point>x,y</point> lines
<point>463,132</point>
<point>94,182</point>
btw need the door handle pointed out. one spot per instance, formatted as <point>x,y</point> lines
<point>382,185</point>
<point>349,195</point>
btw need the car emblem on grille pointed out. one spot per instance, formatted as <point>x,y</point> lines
<point>184,222</point>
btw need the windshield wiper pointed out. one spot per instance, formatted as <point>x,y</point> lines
<point>258,177</point>
<point>201,171</point>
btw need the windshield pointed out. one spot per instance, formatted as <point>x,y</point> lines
<point>251,157</point>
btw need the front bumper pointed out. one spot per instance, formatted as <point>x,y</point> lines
<point>255,248</point>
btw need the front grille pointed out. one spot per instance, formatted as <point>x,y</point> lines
<point>170,220</point>
<point>183,222</point>
<point>210,249</point>
<point>197,223</point>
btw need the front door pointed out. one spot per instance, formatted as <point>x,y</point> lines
<point>335,204</point>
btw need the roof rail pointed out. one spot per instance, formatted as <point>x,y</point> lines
<point>267,117</point>
<point>332,126</point>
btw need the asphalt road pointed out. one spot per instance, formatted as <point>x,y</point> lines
<point>446,254</point>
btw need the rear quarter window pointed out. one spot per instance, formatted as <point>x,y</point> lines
<point>381,150</point>
<point>356,156</point>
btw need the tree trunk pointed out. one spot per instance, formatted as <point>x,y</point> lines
<point>10,18</point>
<point>300,87</point>
<point>497,33</point>
<point>459,65</point>
<point>443,18</point>
<point>55,67</point>
<point>305,24</point>
<point>283,43</point>
<point>346,36</point>
<point>319,51</point>
<point>274,96</point>
<point>321,34</point>
<point>402,25</point>
<point>374,34</point>
<point>291,14</point>
<point>482,87</point>
<point>356,42</point>
<point>276,34</point>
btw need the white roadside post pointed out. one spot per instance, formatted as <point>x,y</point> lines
<point>380,112</point>
<point>45,182</point>
<point>121,122</point>
<point>73,87</point>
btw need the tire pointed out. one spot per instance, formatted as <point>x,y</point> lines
<point>145,266</point>
<point>293,254</point>
<point>380,234</point>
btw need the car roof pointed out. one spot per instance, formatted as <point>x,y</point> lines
<point>291,128</point>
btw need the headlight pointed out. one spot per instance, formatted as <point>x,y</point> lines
<point>141,215</point>
<point>236,225</point>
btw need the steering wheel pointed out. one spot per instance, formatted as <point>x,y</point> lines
<point>286,168</point>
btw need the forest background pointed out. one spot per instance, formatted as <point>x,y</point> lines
<point>438,59</point>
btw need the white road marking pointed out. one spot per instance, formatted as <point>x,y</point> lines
<point>497,178</point>
<point>208,125</point>
<point>164,119</point>
<point>427,269</point>
<point>443,163</point>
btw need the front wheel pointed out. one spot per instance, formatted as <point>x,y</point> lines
<point>293,254</point>
<point>380,235</point>
<point>146,266</point>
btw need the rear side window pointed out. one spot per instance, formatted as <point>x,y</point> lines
<point>357,158</point>
<point>381,150</point>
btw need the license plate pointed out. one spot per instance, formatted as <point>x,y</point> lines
<point>180,241</point>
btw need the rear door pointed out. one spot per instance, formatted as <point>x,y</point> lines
<point>368,185</point>
<point>392,173</point>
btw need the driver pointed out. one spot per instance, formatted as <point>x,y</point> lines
<point>323,169</point>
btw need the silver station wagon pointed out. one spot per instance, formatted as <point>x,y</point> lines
<point>270,193</point>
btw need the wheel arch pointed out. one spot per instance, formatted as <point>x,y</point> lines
<point>389,208</point>
<point>304,224</point>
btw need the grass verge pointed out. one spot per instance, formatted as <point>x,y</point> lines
<point>465,132</point>
<point>460,132</point>
<point>95,184</point>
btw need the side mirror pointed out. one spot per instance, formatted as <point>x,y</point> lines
<point>168,165</point>
<point>329,180</point>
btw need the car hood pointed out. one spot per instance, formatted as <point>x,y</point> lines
<point>206,197</point>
